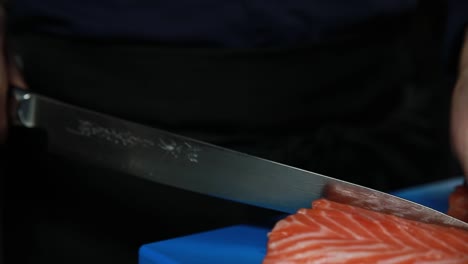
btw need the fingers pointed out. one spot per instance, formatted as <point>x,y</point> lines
<point>10,76</point>
<point>3,81</point>
<point>459,123</point>
<point>459,111</point>
<point>458,203</point>
<point>15,76</point>
<point>3,105</point>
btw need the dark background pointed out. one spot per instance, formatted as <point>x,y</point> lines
<point>53,210</point>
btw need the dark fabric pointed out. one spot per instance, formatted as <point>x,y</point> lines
<point>354,109</point>
<point>221,24</point>
<point>457,19</point>
<point>211,23</point>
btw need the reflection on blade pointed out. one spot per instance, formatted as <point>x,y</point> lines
<point>192,165</point>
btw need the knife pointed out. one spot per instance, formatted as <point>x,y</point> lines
<point>178,161</point>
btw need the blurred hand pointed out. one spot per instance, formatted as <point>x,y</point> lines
<point>459,113</point>
<point>9,75</point>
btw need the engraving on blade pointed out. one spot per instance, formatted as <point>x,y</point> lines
<point>175,148</point>
<point>124,138</point>
<point>181,149</point>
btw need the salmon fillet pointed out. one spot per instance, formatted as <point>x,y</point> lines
<point>332,232</point>
<point>458,203</point>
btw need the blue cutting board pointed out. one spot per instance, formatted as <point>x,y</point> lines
<point>247,244</point>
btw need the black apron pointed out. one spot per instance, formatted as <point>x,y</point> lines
<point>350,108</point>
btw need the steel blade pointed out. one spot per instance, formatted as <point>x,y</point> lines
<point>192,165</point>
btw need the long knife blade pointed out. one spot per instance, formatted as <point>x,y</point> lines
<point>192,165</point>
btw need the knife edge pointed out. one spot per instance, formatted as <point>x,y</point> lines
<point>192,165</point>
